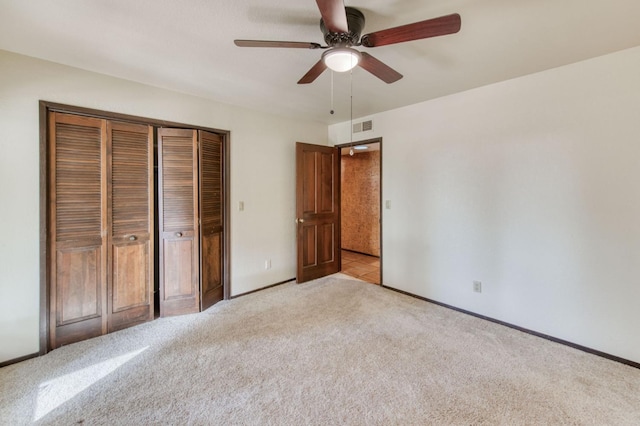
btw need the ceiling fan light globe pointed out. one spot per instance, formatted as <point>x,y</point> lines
<point>341,59</point>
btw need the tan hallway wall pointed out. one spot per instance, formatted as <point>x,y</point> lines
<point>361,202</point>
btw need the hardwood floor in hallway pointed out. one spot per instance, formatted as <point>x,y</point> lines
<point>361,266</point>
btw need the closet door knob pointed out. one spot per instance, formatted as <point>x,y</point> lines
<point>132,238</point>
<point>178,234</point>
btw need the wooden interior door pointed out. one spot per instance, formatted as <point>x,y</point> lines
<point>317,211</point>
<point>77,226</point>
<point>178,221</point>
<point>130,200</point>
<point>211,202</point>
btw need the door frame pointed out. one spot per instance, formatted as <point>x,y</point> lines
<point>44,108</point>
<point>381,206</point>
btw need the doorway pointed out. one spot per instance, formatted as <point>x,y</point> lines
<point>361,209</point>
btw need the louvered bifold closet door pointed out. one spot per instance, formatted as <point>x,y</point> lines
<point>211,197</point>
<point>77,226</point>
<point>178,221</point>
<point>130,289</point>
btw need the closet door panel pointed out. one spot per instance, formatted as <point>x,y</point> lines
<point>78,277</point>
<point>178,280</point>
<point>131,205</point>
<point>77,228</point>
<point>211,270</point>
<point>178,215</point>
<point>131,278</point>
<point>211,196</point>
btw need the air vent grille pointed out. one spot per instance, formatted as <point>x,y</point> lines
<point>363,126</point>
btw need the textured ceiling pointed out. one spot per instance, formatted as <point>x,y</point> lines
<point>187,46</point>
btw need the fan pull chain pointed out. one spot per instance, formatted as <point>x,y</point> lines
<point>351,93</point>
<point>331,111</point>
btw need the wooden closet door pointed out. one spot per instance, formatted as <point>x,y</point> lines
<point>211,196</point>
<point>130,289</point>
<point>77,228</point>
<point>178,221</point>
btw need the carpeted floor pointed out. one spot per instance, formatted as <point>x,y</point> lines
<point>331,351</point>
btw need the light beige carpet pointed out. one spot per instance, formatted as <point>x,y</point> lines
<point>331,351</point>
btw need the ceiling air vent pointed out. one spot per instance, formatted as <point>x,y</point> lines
<point>357,127</point>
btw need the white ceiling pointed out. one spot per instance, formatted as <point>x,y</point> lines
<point>187,46</point>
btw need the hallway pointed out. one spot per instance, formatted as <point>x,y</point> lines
<point>361,266</point>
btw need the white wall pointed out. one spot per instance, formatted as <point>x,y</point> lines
<point>262,175</point>
<point>531,186</point>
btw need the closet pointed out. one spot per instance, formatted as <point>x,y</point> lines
<point>101,248</point>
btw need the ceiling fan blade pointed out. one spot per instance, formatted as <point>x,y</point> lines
<point>448,24</point>
<point>265,43</point>
<point>334,15</point>
<point>313,73</point>
<point>381,70</point>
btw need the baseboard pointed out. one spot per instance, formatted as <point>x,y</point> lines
<point>263,288</point>
<point>17,360</point>
<point>524,330</point>
<point>359,252</point>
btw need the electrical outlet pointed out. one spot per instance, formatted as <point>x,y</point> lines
<point>477,286</point>
<point>267,264</point>
<point>241,206</point>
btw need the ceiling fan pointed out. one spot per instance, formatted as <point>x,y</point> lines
<point>342,26</point>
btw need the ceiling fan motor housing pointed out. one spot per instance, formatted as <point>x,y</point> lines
<point>355,22</point>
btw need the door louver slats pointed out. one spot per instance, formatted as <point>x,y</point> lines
<point>78,182</point>
<point>211,183</point>
<point>130,181</point>
<point>177,183</point>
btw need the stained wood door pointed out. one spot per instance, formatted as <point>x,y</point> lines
<point>317,211</point>
<point>211,235</point>
<point>178,221</point>
<point>130,200</point>
<point>77,226</point>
